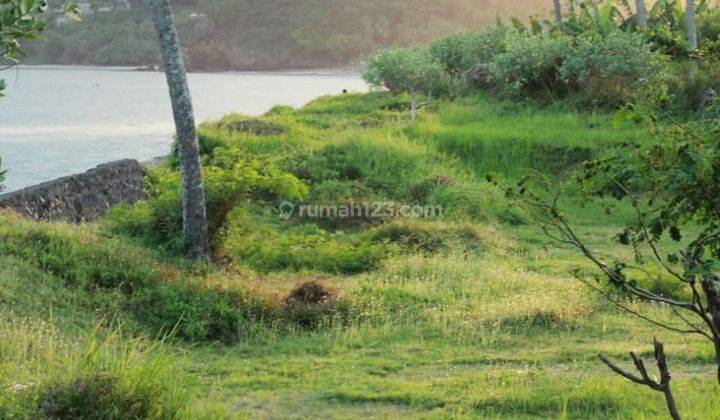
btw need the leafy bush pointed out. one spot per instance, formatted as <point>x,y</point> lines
<point>230,180</point>
<point>688,93</point>
<point>709,33</point>
<point>607,70</point>
<point>461,52</point>
<point>410,70</point>
<point>531,64</point>
<point>331,162</point>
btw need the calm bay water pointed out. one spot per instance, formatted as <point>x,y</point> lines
<point>57,120</point>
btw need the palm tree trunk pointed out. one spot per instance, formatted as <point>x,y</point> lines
<point>195,227</point>
<point>413,106</point>
<point>691,26</point>
<point>641,15</point>
<point>558,14</point>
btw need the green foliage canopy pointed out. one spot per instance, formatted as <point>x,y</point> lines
<point>403,70</point>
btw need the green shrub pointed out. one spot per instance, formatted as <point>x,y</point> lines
<point>280,110</point>
<point>230,179</point>
<point>463,51</point>
<point>531,64</point>
<point>333,162</point>
<point>409,70</point>
<point>709,33</point>
<point>197,313</point>
<point>93,397</point>
<point>687,94</point>
<point>608,70</point>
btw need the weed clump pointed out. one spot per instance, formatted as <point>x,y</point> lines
<point>430,237</point>
<point>199,314</point>
<point>310,293</point>
<point>312,303</point>
<point>97,396</point>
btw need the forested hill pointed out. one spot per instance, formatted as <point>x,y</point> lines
<point>264,34</point>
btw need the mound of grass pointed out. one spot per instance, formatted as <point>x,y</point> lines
<point>478,133</point>
<point>418,236</point>
<point>304,247</point>
<point>314,303</point>
<point>81,259</point>
<point>122,282</point>
<point>88,376</point>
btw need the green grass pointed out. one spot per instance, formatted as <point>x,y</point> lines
<point>513,138</point>
<point>472,315</point>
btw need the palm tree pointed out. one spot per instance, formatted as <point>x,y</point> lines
<point>195,226</point>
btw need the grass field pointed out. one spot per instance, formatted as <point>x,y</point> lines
<point>474,315</point>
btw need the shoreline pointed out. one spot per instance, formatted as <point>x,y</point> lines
<point>113,113</point>
<point>319,71</point>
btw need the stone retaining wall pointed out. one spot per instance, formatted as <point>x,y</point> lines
<point>82,197</point>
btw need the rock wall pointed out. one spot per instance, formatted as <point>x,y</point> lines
<point>82,197</point>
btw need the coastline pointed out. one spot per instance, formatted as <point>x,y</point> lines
<point>117,113</point>
<point>320,71</point>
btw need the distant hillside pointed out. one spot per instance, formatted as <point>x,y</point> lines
<point>264,34</point>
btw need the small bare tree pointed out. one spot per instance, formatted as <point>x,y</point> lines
<point>663,385</point>
<point>195,225</point>
<point>667,182</point>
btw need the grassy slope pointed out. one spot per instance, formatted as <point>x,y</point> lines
<point>503,333</point>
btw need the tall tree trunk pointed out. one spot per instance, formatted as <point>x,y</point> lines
<point>413,106</point>
<point>558,14</point>
<point>641,14</point>
<point>692,36</point>
<point>691,26</point>
<point>711,287</point>
<point>195,227</point>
